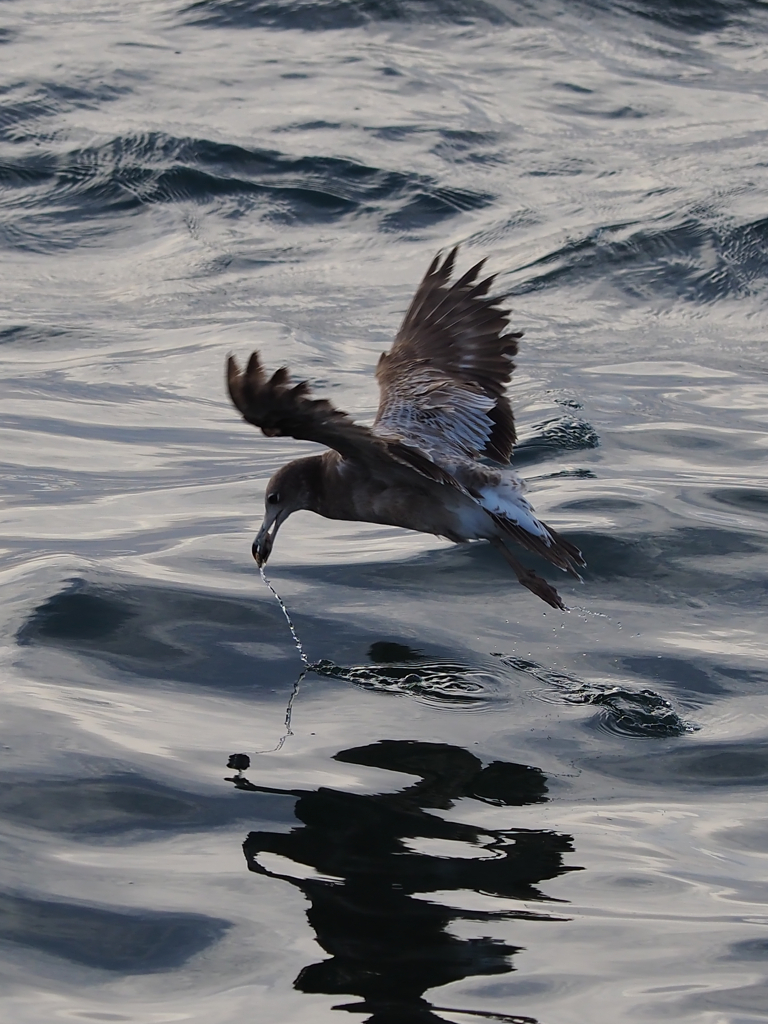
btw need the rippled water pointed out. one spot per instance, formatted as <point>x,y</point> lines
<point>469,806</point>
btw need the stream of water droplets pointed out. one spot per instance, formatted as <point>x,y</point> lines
<point>299,646</point>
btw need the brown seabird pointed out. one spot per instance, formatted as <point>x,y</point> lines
<point>442,410</point>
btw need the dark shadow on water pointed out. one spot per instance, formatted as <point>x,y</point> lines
<point>233,645</point>
<point>180,636</point>
<point>129,942</point>
<point>130,172</point>
<point>681,673</point>
<point>327,15</point>
<point>669,257</point>
<point>699,16</point>
<point>753,499</point>
<point>703,765</point>
<point>381,864</point>
<point>103,805</point>
<point>676,565</point>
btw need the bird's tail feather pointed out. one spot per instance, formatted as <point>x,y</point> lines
<point>559,552</point>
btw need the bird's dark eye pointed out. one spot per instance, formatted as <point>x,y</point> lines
<point>273,498</point>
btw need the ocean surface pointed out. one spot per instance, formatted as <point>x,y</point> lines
<point>470,806</point>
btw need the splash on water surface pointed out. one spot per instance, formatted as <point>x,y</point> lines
<point>625,710</point>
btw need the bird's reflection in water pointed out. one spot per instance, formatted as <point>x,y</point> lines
<point>373,853</point>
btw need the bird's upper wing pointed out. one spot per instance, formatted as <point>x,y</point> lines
<point>283,409</point>
<point>442,382</point>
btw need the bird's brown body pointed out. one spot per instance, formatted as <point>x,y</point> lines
<point>351,491</point>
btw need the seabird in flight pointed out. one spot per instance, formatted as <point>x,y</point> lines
<point>436,458</point>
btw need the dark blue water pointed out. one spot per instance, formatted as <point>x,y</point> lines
<point>471,807</point>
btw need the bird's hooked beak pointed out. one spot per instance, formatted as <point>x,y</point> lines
<point>262,545</point>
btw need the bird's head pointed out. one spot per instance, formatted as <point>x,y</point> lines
<point>291,488</point>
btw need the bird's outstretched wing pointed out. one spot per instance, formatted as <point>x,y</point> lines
<point>283,409</point>
<point>442,382</point>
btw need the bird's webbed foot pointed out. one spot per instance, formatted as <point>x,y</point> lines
<point>529,579</point>
<point>541,588</point>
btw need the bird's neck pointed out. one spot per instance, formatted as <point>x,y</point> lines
<point>334,490</point>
